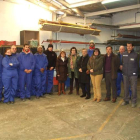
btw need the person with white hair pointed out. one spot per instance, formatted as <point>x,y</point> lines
<point>91,48</point>
<point>41,63</point>
<point>120,75</point>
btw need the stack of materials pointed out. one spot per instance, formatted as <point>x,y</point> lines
<point>67,28</point>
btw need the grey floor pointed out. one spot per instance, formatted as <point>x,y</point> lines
<point>69,117</point>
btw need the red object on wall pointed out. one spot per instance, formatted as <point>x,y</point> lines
<point>7,42</point>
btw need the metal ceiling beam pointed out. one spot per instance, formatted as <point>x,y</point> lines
<point>57,6</point>
<point>115,10</point>
<point>76,10</point>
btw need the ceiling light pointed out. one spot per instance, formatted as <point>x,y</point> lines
<point>60,13</point>
<point>52,8</point>
<point>74,1</point>
<point>109,1</point>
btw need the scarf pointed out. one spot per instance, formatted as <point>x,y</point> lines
<point>63,59</point>
<point>71,62</point>
<point>91,48</point>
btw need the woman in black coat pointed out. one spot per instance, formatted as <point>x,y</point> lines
<point>84,77</point>
<point>61,71</point>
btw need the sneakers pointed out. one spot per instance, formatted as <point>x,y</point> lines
<point>125,103</point>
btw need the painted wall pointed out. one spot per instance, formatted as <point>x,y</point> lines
<point>16,17</point>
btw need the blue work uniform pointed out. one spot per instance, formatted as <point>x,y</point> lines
<point>1,85</point>
<point>9,77</point>
<point>40,78</point>
<point>90,52</point>
<point>26,61</point>
<point>18,90</point>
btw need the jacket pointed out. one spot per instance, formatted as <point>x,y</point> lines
<point>130,63</point>
<point>52,57</point>
<point>83,76</point>
<point>62,69</point>
<point>26,61</point>
<point>95,63</point>
<point>40,61</point>
<point>76,71</point>
<point>115,63</point>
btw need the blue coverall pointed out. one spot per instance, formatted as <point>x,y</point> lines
<point>18,90</point>
<point>9,77</point>
<point>90,52</point>
<point>1,85</point>
<point>26,61</point>
<point>40,78</point>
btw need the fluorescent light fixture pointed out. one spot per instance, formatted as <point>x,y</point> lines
<point>52,8</point>
<point>109,1</point>
<point>83,3</point>
<point>74,1</point>
<point>60,13</point>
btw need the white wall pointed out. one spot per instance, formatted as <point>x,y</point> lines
<point>16,17</point>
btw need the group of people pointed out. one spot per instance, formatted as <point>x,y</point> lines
<point>93,66</point>
<point>25,74</point>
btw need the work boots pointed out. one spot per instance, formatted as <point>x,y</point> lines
<point>63,88</point>
<point>71,89</point>
<point>59,88</point>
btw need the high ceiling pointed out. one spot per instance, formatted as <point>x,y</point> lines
<point>99,6</point>
<point>85,8</point>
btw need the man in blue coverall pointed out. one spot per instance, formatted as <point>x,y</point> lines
<point>15,54</point>
<point>91,48</point>
<point>27,64</point>
<point>1,85</point>
<point>41,63</point>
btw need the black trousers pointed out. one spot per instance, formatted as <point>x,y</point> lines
<point>76,82</point>
<point>85,89</point>
<point>110,84</point>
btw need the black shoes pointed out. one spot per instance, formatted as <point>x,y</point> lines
<point>83,96</point>
<point>23,100</point>
<point>125,103</point>
<point>87,97</point>
<point>50,93</point>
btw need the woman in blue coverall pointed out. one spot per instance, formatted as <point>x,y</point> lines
<point>9,76</point>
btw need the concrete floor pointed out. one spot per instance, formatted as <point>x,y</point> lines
<point>69,117</point>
